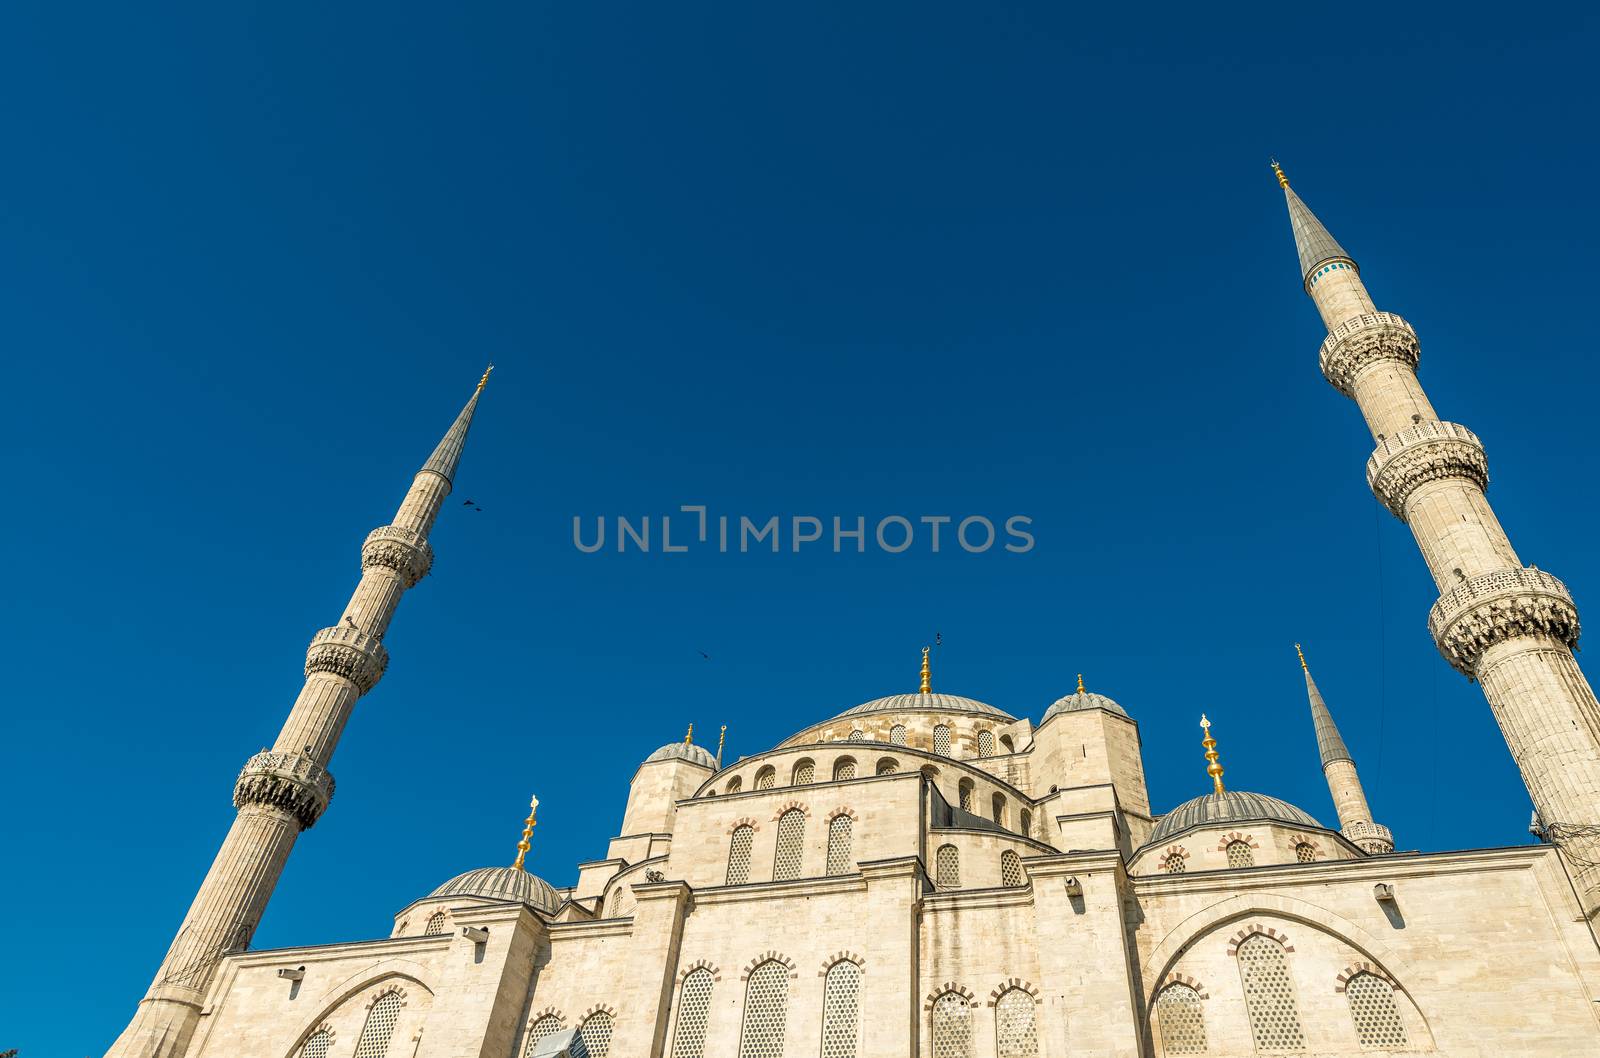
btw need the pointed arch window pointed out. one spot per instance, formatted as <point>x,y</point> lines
<point>739,855</point>
<point>964,791</point>
<point>857,736</point>
<point>694,1008</point>
<point>376,1033</point>
<point>840,832</point>
<point>941,740</point>
<point>841,1010</point>
<point>766,778</point>
<point>844,768</point>
<point>985,743</point>
<point>888,766</point>
<point>595,1032</point>
<point>1269,995</point>
<point>897,734</point>
<point>1375,1012</point>
<point>947,867</point>
<point>1025,822</point>
<point>1182,1020</point>
<point>1240,854</point>
<point>317,1046</point>
<point>1016,1032</point>
<point>734,784</point>
<point>1011,869</point>
<point>997,807</point>
<point>766,1011</point>
<point>791,839</point>
<point>548,1025</point>
<point>805,772</point>
<point>952,1026</point>
<point>434,925</point>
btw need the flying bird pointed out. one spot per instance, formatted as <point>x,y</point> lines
<point>705,655</point>
<point>468,503</point>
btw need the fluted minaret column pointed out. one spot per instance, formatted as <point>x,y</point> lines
<point>283,791</point>
<point>1509,627</point>
<point>1339,768</point>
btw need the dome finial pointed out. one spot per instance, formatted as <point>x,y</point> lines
<point>1080,683</point>
<point>1303,665</point>
<point>721,738</point>
<point>485,379</point>
<point>1213,769</point>
<point>688,737</point>
<point>927,676</point>
<point>527,833</point>
<point>1283,181</point>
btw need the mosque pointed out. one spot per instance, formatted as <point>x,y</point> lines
<point>926,875</point>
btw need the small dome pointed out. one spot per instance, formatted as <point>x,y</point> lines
<point>924,703</point>
<point>1074,703</point>
<point>1230,806</point>
<point>685,751</point>
<point>508,884</point>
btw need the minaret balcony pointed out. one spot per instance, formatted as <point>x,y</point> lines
<point>348,652</point>
<point>292,782</point>
<point>399,549</point>
<point>1500,605</point>
<point>1427,451</point>
<point>1373,837</point>
<point>1364,340</point>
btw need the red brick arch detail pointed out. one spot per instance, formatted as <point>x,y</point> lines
<point>395,990</point>
<point>1297,839</point>
<point>949,986</point>
<point>1175,850</point>
<point>547,1012</point>
<point>1186,980</point>
<point>599,1008</point>
<point>745,822</point>
<point>1358,968</point>
<point>842,956</point>
<point>766,957</point>
<point>1012,984</point>
<point>1233,835</point>
<point>700,964</point>
<point>1250,931</point>
<point>843,810</point>
<point>789,806</point>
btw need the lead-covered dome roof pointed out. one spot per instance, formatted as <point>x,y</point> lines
<point>685,751</point>
<point>1229,806</point>
<point>917,703</point>
<point>507,884</point>
<point>1073,703</point>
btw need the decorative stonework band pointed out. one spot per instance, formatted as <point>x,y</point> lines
<point>1428,451</point>
<point>1374,838</point>
<point>347,652</point>
<point>1500,605</point>
<point>401,550</point>
<point>1364,340</point>
<point>290,781</point>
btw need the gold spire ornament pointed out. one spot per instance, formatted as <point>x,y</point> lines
<point>1080,683</point>
<point>1283,181</point>
<point>688,738</point>
<point>485,379</point>
<point>1302,658</point>
<point>721,738</point>
<point>527,834</point>
<point>1213,769</point>
<point>927,677</point>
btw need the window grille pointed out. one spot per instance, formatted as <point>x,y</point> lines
<point>840,831</point>
<point>1183,1020</point>
<point>766,779</point>
<point>1269,996</point>
<point>548,1025</point>
<point>739,855</point>
<point>317,1046</point>
<point>897,734</point>
<point>1240,855</point>
<point>616,902</point>
<point>844,768</point>
<point>1016,1034</point>
<point>734,784</point>
<point>595,1033</point>
<point>998,809</point>
<point>888,766</point>
<point>791,834</point>
<point>694,1006</point>
<point>805,773</point>
<point>941,740</point>
<point>1304,852</point>
<point>435,925</point>
<point>965,790</point>
<point>1376,1014</point>
<point>1025,822</point>
<point>841,1010</point>
<point>375,1034</point>
<point>1011,869</point>
<point>947,867</point>
<point>952,1027</point>
<point>856,736</point>
<point>766,1011</point>
<point>1173,863</point>
<point>985,743</point>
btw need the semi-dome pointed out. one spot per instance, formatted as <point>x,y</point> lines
<point>510,884</point>
<point>918,703</point>
<point>685,751</point>
<point>1229,806</point>
<point>1080,701</point>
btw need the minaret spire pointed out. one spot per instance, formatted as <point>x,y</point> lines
<point>927,676</point>
<point>1512,628</point>
<point>284,790</point>
<point>527,831</point>
<point>1339,768</point>
<point>1213,766</point>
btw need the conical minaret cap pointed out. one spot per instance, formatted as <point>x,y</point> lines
<point>1330,744</point>
<point>447,456</point>
<point>1311,239</point>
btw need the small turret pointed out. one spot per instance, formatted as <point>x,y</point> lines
<point>1349,799</point>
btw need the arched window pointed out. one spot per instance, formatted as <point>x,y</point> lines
<point>964,789</point>
<point>947,867</point>
<point>739,855</point>
<point>375,1034</point>
<point>791,836</point>
<point>844,768</point>
<point>435,924</point>
<point>1182,1020</point>
<point>1269,995</point>
<point>897,734</point>
<point>734,784</point>
<point>766,1011</point>
<point>1007,745</point>
<point>857,736</point>
<point>548,1025</point>
<point>840,831</point>
<point>997,808</point>
<point>1376,1014</point>
<point>1016,1035</point>
<point>317,1046</point>
<point>805,772</point>
<point>616,901</point>
<point>1304,852</point>
<point>766,778</point>
<point>1239,855</point>
<point>952,1027</point>
<point>841,1009</point>
<point>941,740</point>
<point>595,1032</point>
<point>929,771</point>
<point>888,766</point>
<point>1025,823</point>
<point>1011,869</point>
<point>1173,864</point>
<point>694,1006</point>
<point>985,743</point>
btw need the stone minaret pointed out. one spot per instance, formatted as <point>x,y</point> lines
<point>1349,799</point>
<point>283,790</point>
<point>1509,627</point>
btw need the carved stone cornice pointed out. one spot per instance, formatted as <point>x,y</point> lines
<point>290,781</point>
<point>1428,451</point>
<point>347,652</point>
<point>401,550</point>
<point>1370,837</point>
<point>1500,605</point>
<point>1365,340</point>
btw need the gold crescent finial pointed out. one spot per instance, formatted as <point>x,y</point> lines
<point>1283,181</point>
<point>1302,657</point>
<point>927,676</point>
<point>688,738</point>
<point>484,380</point>
<point>1213,769</point>
<point>527,834</point>
<point>721,738</point>
<point>1080,683</point>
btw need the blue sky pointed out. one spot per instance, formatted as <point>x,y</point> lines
<point>829,260</point>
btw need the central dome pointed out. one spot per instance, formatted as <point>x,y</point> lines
<point>922,703</point>
<point>502,884</point>
<point>1229,806</point>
